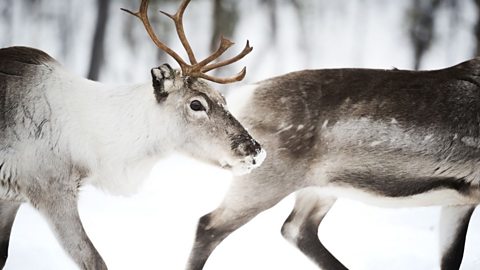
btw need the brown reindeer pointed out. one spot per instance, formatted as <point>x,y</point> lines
<point>392,138</point>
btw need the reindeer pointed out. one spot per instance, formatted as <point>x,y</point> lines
<point>393,138</point>
<point>59,132</point>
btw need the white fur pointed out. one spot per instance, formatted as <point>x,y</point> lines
<point>98,130</point>
<point>239,98</point>
<point>247,165</point>
<point>116,134</point>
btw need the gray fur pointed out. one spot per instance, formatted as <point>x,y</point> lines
<point>384,136</point>
<point>8,211</point>
<point>51,183</point>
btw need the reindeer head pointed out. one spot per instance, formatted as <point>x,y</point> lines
<point>209,131</point>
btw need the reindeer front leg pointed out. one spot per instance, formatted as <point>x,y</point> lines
<point>453,232</point>
<point>57,201</point>
<point>8,211</point>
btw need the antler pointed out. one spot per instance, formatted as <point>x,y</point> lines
<point>194,69</point>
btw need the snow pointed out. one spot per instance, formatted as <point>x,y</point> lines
<point>154,229</point>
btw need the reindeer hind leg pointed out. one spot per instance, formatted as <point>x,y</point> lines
<point>8,211</point>
<point>247,197</point>
<point>453,232</point>
<point>301,228</point>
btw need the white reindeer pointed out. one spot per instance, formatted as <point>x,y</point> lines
<point>59,132</point>
<point>388,137</point>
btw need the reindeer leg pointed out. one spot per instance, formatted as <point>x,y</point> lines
<point>247,197</point>
<point>65,221</point>
<point>58,204</point>
<point>301,228</point>
<point>8,211</point>
<point>212,229</point>
<point>453,232</point>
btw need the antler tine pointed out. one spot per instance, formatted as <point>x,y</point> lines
<point>235,78</point>
<point>142,15</point>
<point>224,45</point>
<point>178,20</point>
<point>242,54</point>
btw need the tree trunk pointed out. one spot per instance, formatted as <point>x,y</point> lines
<point>272,17</point>
<point>422,27</point>
<point>477,29</point>
<point>225,18</point>
<point>97,56</point>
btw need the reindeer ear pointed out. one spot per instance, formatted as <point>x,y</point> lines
<point>160,76</point>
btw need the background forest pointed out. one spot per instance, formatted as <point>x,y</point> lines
<point>97,40</point>
<point>154,229</point>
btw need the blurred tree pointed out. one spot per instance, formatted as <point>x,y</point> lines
<point>225,19</point>
<point>164,26</point>
<point>301,8</point>
<point>421,30</point>
<point>133,29</point>
<point>65,25</point>
<point>477,29</point>
<point>272,15</point>
<point>97,55</point>
<point>6,18</point>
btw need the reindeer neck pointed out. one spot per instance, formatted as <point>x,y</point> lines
<point>110,128</point>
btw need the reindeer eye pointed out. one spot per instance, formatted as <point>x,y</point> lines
<point>197,106</point>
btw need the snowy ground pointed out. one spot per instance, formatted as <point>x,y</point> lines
<point>154,230</point>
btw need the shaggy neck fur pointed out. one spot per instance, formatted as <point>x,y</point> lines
<point>113,133</point>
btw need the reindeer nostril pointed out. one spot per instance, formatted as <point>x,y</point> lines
<point>244,145</point>
<point>256,147</point>
<point>254,162</point>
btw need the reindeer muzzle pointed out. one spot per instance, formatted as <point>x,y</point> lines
<point>253,156</point>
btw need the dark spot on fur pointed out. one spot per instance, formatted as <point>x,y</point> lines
<point>189,81</point>
<point>159,89</point>
<point>160,96</point>
<point>38,132</point>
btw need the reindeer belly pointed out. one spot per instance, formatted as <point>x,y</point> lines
<point>392,182</point>
<point>430,198</point>
<point>384,163</point>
